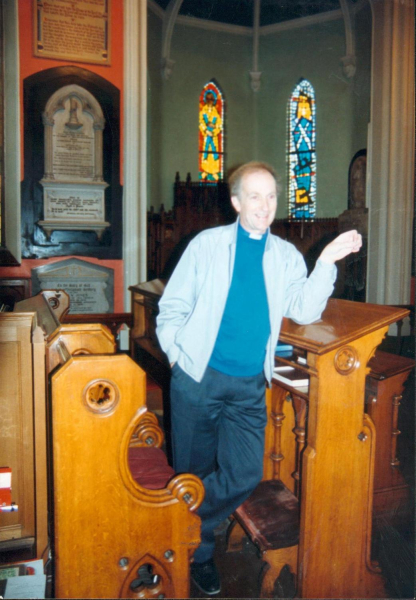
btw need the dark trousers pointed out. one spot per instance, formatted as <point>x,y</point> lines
<point>218,434</point>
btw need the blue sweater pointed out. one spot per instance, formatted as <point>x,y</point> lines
<point>245,326</point>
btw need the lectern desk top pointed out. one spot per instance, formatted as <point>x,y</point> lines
<point>342,321</point>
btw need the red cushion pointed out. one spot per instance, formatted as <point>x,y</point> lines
<point>149,467</point>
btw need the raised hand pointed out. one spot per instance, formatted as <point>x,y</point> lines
<point>344,244</point>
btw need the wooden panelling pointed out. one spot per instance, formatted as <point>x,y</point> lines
<point>16,421</point>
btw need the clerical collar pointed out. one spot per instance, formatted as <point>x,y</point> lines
<point>252,236</point>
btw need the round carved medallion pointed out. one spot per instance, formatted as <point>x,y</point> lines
<point>346,360</point>
<point>101,396</point>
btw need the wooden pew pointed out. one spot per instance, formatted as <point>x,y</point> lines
<point>114,538</point>
<point>21,357</point>
<point>384,386</point>
<point>331,463</point>
<point>114,321</point>
<point>144,345</point>
<point>30,340</point>
<point>104,454</point>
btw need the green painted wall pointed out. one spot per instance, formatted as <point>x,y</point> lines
<point>256,122</point>
<point>200,56</point>
<point>362,79</point>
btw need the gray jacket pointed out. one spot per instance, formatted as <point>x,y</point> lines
<point>191,308</point>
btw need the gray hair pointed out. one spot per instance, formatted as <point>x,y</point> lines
<point>236,177</point>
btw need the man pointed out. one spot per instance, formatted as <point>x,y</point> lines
<point>219,323</point>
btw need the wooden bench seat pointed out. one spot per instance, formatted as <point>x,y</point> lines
<point>270,517</point>
<point>149,467</point>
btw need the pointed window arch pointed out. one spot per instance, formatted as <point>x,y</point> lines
<point>211,133</point>
<point>301,157</point>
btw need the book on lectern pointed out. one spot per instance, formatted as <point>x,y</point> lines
<point>291,376</point>
<point>284,350</point>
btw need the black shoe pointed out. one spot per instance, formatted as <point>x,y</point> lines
<point>205,576</point>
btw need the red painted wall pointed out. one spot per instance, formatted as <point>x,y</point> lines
<point>30,64</point>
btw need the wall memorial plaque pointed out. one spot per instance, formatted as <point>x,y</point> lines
<point>105,242</point>
<point>76,30</point>
<point>73,185</point>
<point>89,286</point>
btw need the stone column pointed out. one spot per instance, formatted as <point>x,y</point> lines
<point>12,138</point>
<point>390,173</point>
<point>135,109</point>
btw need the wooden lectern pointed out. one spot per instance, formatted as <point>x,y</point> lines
<point>334,462</point>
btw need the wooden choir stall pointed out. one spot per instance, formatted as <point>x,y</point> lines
<point>331,458</point>
<point>322,452</point>
<point>94,489</point>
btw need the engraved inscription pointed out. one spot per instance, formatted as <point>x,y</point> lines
<point>73,143</point>
<point>75,207</point>
<point>68,29</point>
<point>73,156</point>
<point>85,296</point>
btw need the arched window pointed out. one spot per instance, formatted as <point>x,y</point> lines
<point>211,133</point>
<point>301,158</point>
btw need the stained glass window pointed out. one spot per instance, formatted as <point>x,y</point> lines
<point>302,152</point>
<point>211,133</point>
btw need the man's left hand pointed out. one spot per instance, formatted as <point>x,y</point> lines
<point>344,244</point>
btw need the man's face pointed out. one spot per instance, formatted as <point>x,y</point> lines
<point>256,202</point>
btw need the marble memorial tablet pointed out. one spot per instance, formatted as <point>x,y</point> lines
<point>73,185</point>
<point>89,286</point>
<point>73,144</point>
